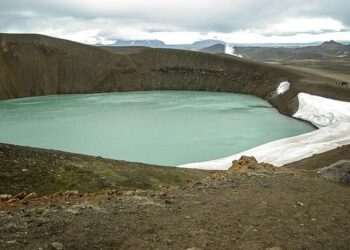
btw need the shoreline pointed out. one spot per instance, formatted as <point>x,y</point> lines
<point>249,138</point>
<point>66,67</point>
<point>334,132</point>
<point>271,149</point>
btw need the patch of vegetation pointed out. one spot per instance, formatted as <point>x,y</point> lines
<point>24,169</point>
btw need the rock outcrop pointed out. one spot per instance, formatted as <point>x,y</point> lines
<point>338,172</point>
<point>248,163</point>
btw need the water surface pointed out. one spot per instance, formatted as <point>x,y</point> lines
<point>160,127</point>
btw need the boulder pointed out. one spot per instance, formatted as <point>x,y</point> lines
<point>247,164</point>
<point>338,172</point>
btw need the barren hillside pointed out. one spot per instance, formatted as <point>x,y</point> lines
<point>35,65</point>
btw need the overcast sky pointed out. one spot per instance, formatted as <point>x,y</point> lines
<point>180,21</point>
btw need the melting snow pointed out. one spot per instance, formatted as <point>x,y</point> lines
<point>283,88</point>
<point>331,116</point>
<point>322,111</point>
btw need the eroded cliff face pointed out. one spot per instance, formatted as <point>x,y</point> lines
<point>37,65</point>
<point>32,65</point>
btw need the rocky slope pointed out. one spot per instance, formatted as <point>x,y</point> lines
<point>214,49</point>
<point>251,206</point>
<point>25,169</point>
<point>329,50</point>
<point>39,65</point>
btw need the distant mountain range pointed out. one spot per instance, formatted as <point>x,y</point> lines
<point>160,44</point>
<point>146,43</point>
<point>329,50</point>
<point>206,43</point>
<point>262,52</point>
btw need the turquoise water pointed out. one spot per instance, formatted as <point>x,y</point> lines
<point>160,127</point>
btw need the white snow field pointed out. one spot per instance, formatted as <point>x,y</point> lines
<point>331,116</point>
<point>322,111</point>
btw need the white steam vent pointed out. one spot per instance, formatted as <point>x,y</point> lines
<point>231,50</point>
<point>228,49</point>
<point>283,88</point>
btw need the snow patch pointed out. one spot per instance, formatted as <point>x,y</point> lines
<point>331,116</point>
<point>322,111</point>
<point>282,88</point>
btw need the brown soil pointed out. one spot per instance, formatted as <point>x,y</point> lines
<point>260,211</point>
<point>322,160</point>
<point>258,207</point>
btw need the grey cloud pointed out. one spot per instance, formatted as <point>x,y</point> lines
<point>325,31</point>
<point>159,29</point>
<point>202,16</point>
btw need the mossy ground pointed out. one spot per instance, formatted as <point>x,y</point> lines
<point>45,172</point>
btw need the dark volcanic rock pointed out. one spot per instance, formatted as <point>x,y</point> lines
<point>339,172</point>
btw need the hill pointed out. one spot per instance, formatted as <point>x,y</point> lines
<point>55,171</point>
<point>330,50</point>
<point>34,65</point>
<point>215,49</point>
<point>206,43</point>
<point>250,206</point>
